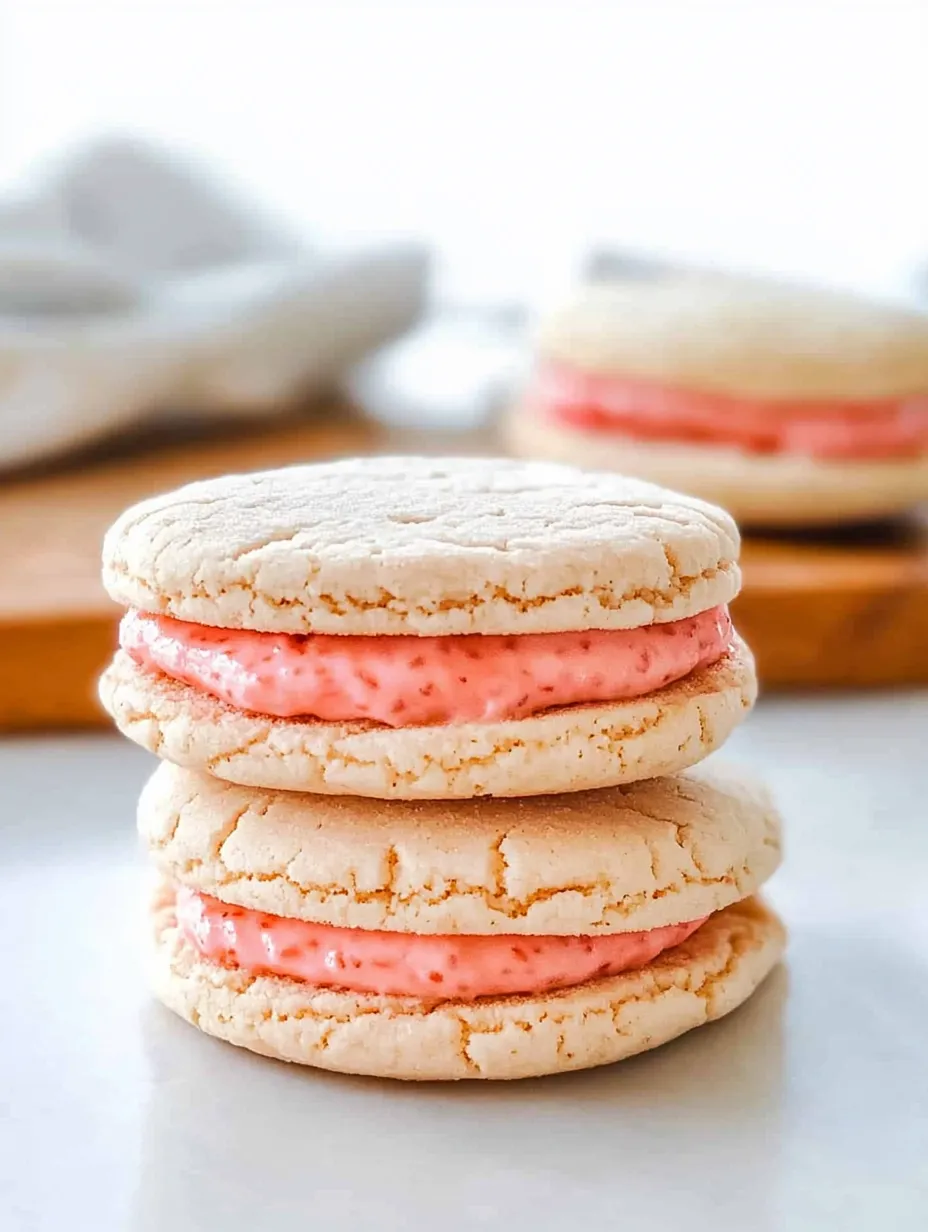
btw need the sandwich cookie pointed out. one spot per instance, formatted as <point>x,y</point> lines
<point>786,405</point>
<point>459,939</point>
<point>420,628</point>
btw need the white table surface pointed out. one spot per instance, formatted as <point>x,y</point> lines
<point>807,1109</point>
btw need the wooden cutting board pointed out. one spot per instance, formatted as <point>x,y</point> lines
<point>848,611</point>
<point>845,610</point>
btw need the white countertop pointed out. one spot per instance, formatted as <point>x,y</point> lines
<point>806,1109</point>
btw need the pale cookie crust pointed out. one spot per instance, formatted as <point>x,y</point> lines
<point>569,749</point>
<point>621,859</point>
<point>425,546</point>
<point>517,1037</point>
<point>742,336</point>
<point>757,489</point>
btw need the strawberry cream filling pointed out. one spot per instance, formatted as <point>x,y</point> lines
<point>404,681</point>
<point>410,964</point>
<point>644,410</point>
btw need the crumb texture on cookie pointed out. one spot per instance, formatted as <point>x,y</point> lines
<point>597,1023</point>
<point>428,546</point>
<point>622,859</point>
<point>743,336</point>
<point>569,749</point>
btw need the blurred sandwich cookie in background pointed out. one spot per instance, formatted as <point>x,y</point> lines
<point>787,405</point>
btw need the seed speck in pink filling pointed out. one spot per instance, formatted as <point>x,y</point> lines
<point>406,681</point>
<point>411,964</point>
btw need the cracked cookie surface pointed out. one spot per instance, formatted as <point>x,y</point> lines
<point>570,749</point>
<point>622,859</point>
<point>428,546</point>
<point>595,1023</point>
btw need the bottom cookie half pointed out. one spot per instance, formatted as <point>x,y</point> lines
<point>775,489</point>
<point>596,1023</point>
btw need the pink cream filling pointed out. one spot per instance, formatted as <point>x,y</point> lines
<point>651,412</point>
<point>404,681</point>
<point>410,964</point>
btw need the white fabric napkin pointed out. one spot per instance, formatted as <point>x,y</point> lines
<point>133,285</point>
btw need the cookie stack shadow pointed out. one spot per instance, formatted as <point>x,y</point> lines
<point>429,803</point>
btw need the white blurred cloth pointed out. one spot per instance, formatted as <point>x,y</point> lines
<point>132,285</point>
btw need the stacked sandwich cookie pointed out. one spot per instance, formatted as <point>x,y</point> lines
<point>788,405</point>
<point>413,716</point>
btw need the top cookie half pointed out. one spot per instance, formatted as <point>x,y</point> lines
<point>423,546</point>
<point>742,337</point>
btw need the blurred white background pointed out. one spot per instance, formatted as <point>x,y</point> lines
<point>785,136</point>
